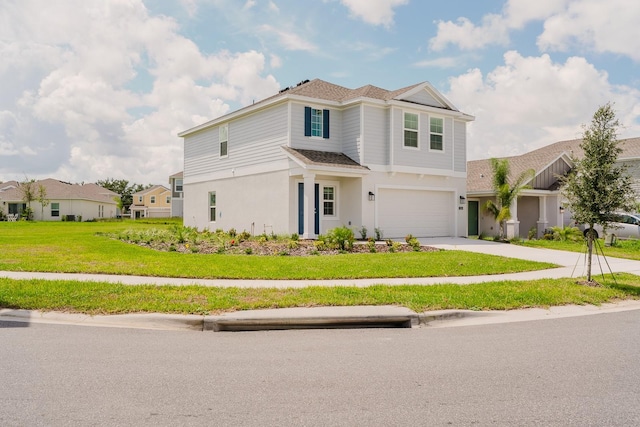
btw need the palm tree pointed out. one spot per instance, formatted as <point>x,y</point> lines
<point>506,193</point>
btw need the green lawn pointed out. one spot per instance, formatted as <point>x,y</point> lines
<point>83,247</point>
<point>107,298</point>
<point>78,248</point>
<point>629,249</point>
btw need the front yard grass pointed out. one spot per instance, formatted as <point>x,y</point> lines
<point>77,248</point>
<point>106,298</point>
<point>628,249</point>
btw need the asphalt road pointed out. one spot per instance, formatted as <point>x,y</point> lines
<point>574,371</point>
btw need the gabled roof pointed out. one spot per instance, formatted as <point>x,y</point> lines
<point>59,190</point>
<point>151,189</point>
<point>479,173</point>
<point>177,175</point>
<point>323,158</point>
<point>340,95</point>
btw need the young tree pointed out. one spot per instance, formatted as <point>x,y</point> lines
<point>506,193</point>
<point>42,198</point>
<point>28,190</point>
<point>596,187</point>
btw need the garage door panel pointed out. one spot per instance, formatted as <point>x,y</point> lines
<point>418,212</point>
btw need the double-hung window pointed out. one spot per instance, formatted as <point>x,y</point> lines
<point>224,140</point>
<point>153,199</point>
<point>168,199</point>
<point>212,206</point>
<point>410,130</point>
<point>55,209</point>
<point>178,183</point>
<point>316,122</point>
<point>329,201</point>
<point>436,132</point>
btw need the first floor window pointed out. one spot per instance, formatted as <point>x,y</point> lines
<point>329,201</point>
<point>411,130</point>
<point>168,199</point>
<point>55,209</point>
<point>436,132</point>
<point>224,140</point>
<point>212,206</point>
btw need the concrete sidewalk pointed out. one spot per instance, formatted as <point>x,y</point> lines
<point>572,264</point>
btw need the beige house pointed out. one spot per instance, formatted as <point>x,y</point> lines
<point>63,201</point>
<point>539,207</point>
<point>154,202</point>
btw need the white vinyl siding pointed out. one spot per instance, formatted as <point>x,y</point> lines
<point>376,135</point>
<point>459,146</point>
<point>249,146</point>
<point>298,140</point>
<point>351,143</point>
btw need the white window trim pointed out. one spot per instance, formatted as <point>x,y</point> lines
<point>220,140</point>
<point>321,136</point>
<point>417,131</point>
<point>433,150</point>
<point>335,200</point>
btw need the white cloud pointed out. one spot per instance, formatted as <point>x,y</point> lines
<point>530,102</point>
<point>104,88</point>
<point>375,12</point>
<point>274,7</point>
<point>249,4</point>
<point>597,26</point>
<point>289,40</point>
<point>442,62</point>
<point>495,28</point>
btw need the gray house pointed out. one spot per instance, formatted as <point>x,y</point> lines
<point>317,156</point>
<point>541,206</point>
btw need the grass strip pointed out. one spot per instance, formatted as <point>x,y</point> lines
<point>107,298</point>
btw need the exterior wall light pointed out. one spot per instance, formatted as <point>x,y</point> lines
<point>462,200</point>
<point>372,197</point>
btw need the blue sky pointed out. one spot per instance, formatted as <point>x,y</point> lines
<point>95,89</point>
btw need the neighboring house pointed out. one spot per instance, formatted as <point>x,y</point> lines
<point>177,200</point>
<point>318,156</point>
<point>541,206</point>
<point>154,202</point>
<point>66,201</point>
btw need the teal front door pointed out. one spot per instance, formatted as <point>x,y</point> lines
<point>473,218</point>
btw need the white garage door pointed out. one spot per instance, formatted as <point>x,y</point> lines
<point>418,212</point>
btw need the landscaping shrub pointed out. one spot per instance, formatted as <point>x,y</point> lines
<point>341,238</point>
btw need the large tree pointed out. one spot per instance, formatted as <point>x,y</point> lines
<point>597,186</point>
<point>506,192</point>
<point>124,189</point>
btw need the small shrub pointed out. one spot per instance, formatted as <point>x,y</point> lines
<point>341,237</point>
<point>232,232</point>
<point>408,237</point>
<point>378,234</point>
<point>172,248</point>
<point>293,244</point>
<point>363,232</point>
<point>414,243</point>
<point>395,247</point>
<point>389,242</point>
<point>262,239</point>
<point>533,233</point>
<point>195,249</point>
<point>221,249</point>
<point>319,245</point>
<point>566,234</point>
<point>244,236</point>
<point>295,237</point>
<point>371,244</point>
<point>283,253</point>
<point>248,251</point>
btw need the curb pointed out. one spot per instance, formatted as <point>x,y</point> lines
<point>343,317</point>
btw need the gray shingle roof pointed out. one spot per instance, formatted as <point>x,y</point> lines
<point>324,158</point>
<point>479,172</point>
<point>59,190</point>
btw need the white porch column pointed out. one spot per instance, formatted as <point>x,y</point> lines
<point>542,216</point>
<point>309,206</point>
<point>513,225</point>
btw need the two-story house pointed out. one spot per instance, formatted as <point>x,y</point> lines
<point>318,156</point>
<point>153,202</point>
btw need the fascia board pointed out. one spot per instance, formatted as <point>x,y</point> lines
<point>440,111</point>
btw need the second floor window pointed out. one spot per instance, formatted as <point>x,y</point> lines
<point>178,183</point>
<point>411,130</point>
<point>436,132</point>
<point>224,141</point>
<point>153,199</point>
<point>316,122</point>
